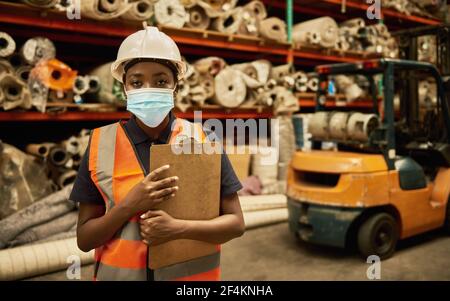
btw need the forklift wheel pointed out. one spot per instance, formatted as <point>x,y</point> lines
<point>378,235</point>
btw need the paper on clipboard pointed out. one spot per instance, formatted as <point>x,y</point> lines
<point>198,198</point>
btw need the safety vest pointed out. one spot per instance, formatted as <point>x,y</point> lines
<point>115,169</point>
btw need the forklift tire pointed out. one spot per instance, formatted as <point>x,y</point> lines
<point>378,235</point>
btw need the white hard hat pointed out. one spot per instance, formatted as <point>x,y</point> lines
<point>147,43</point>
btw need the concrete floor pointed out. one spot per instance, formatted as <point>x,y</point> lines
<point>272,253</point>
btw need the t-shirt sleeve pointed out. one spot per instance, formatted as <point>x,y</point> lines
<point>84,189</point>
<point>229,181</point>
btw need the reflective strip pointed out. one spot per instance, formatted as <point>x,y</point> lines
<point>108,273</point>
<point>105,160</point>
<point>188,268</point>
<point>130,231</point>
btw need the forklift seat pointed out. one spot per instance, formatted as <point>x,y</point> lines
<point>411,174</point>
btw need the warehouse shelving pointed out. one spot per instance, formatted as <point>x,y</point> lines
<point>30,116</point>
<point>26,21</point>
<point>353,8</point>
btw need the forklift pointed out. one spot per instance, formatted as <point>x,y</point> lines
<point>388,177</point>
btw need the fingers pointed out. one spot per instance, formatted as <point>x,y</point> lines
<point>163,194</point>
<point>164,183</point>
<point>151,213</point>
<point>156,173</point>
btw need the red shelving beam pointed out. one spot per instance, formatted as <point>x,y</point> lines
<point>113,116</point>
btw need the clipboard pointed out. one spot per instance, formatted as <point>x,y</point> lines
<point>198,198</point>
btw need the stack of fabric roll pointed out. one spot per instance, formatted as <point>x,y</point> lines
<point>256,83</point>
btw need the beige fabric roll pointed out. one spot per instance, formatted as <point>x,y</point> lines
<point>230,88</point>
<point>140,10</point>
<point>198,18</point>
<point>38,259</point>
<point>8,45</point>
<point>104,9</point>
<point>256,219</point>
<point>273,28</point>
<point>170,13</point>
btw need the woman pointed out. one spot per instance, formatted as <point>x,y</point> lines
<point>117,193</point>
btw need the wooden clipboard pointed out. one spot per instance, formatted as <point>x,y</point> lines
<point>198,198</point>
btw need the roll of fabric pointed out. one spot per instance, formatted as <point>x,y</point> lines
<point>170,13</point>
<point>254,219</point>
<point>54,74</point>
<point>211,65</point>
<point>44,210</point>
<point>287,138</point>
<point>27,261</point>
<point>23,72</point>
<point>207,83</point>
<point>104,9</point>
<point>139,10</point>
<point>5,66</point>
<point>228,22</point>
<point>273,28</point>
<point>198,18</point>
<point>215,8</point>
<point>15,92</point>
<point>230,88</point>
<point>36,49</point>
<point>262,202</point>
<point>42,231</point>
<point>7,44</point>
<point>322,31</point>
<point>110,91</point>
<point>279,72</point>
<point>72,232</point>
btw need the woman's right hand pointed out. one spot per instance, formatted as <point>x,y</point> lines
<point>149,192</point>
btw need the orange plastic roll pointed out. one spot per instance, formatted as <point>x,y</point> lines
<point>54,74</point>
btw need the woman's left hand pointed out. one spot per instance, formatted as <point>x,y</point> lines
<point>158,227</point>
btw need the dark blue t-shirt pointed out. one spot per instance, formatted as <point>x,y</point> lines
<point>84,189</point>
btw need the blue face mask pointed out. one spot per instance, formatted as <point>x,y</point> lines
<point>150,105</point>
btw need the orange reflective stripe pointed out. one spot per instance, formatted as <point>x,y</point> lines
<point>127,171</point>
<point>212,275</point>
<point>130,254</point>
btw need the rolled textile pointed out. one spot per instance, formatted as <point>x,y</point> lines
<point>42,231</point>
<point>104,9</point>
<point>198,18</point>
<point>46,209</point>
<point>212,65</point>
<point>7,44</point>
<point>262,202</point>
<point>36,49</point>
<point>37,259</point>
<point>15,92</point>
<point>273,28</point>
<point>111,90</point>
<point>214,8</point>
<point>72,232</point>
<point>229,22</point>
<point>230,88</point>
<point>321,31</point>
<point>254,219</point>
<point>23,72</point>
<point>5,66</point>
<point>140,10</point>
<point>170,13</point>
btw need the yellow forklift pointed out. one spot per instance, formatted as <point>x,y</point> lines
<point>388,177</point>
